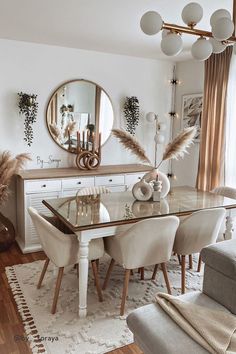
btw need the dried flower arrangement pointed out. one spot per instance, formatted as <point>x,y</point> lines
<point>174,150</point>
<point>8,167</point>
<point>29,107</point>
<point>131,113</point>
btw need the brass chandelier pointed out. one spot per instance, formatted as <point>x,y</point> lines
<point>215,41</point>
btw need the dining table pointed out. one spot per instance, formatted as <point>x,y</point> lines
<point>104,215</point>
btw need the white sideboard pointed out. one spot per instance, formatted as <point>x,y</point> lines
<point>35,185</point>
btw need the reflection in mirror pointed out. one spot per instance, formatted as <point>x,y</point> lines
<point>83,106</point>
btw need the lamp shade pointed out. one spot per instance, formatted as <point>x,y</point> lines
<point>192,13</point>
<point>217,46</point>
<point>172,44</point>
<point>159,139</point>
<point>222,29</point>
<point>151,23</point>
<point>164,33</point>
<point>151,117</point>
<point>201,49</point>
<point>219,14</point>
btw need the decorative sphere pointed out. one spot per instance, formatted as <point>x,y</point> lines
<point>201,49</point>
<point>222,29</point>
<point>192,13</point>
<point>151,116</point>
<point>217,46</point>
<point>219,14</point>
<point>151,23</point>
<point>172,44</point>
<point>159,138</point>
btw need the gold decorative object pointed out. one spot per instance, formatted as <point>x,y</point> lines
<point>88,154</point>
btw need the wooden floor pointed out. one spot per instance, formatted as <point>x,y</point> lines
<point>10,321</point>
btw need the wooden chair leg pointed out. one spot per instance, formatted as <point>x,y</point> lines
<point>132,272</point>
<point>142,273</point>
<point>139,270</point>
<point>108,274</point>
<point>164,271</point>
<point>43,273</point>
<point>95,273</point>
<point>125,291</point>
<point>190,257</point>
<point>155,272</point>
<point>97,264</point>
<point>183,274</point>
<point>179,258</point>
<point>199,263</point>
<point>57,289</point>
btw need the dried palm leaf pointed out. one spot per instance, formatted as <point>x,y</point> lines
<point>130,143</point>
<point>69,129</point>
<point>177,148</point>
<point>4,160</point>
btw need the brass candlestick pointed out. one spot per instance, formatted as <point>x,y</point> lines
<point>88,154</point>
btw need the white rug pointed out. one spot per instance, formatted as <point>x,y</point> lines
<point>103,330</point>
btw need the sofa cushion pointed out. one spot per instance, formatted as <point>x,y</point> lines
<point>221,257</point>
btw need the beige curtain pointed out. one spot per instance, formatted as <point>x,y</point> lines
<point>211,161</point>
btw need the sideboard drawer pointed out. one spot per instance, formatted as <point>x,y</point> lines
<point>73,183</point>
<point>109,180</point>
<point>43,186</point>
<point>133,178</point>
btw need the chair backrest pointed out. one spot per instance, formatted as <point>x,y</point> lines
<point>198,230</point>
<point>61,249</point>
<point>228,192</point>
<point>93,190</point>
<point>147,242</point>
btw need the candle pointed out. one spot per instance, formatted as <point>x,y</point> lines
<point>99,143</point>
<point>78,141</point>
<point>93,142</point>
<point>87,139</point>
<point>83,144</point>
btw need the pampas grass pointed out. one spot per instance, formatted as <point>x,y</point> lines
<point>8,167</point>
<point>69,129</point>
<point>177,148</point>
<point>174,150</point>
<point>55,130</point>
<point>130,143</point>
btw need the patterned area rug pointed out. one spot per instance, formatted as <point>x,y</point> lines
<point>103,330</point>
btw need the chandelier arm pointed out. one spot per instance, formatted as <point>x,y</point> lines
<point>192,31</point>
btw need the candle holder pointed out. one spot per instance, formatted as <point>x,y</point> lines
<point>88,154</point>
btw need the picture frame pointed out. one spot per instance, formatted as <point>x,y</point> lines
<point>192,112</point>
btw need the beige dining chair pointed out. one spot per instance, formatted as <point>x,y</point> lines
<point>196,231</point>
<point>228,192</point>
<point>63,250</point>
<point>93,190</point>
<point>145,243</point>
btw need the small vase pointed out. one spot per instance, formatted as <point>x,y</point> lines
<point>142,191</point>
<point>7,233</point>
<point>152,176</point>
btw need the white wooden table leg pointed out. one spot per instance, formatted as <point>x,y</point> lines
<point>229,228</point>
<point>83,277</point>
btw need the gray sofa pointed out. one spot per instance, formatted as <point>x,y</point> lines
<point>156,333</point>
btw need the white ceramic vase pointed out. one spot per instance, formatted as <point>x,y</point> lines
<point>151,176</point>
<point>142,191</point>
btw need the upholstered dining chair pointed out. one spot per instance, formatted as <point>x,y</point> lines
<point>196,231</point>
<point>93,190</point>
<point>228,192</point>
<point>145,243</point>
<point>63,250</point>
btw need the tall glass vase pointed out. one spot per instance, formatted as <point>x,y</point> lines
<point>7,233</point>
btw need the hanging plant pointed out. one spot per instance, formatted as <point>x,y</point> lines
<point>29,107</point>
<point>131,113</point>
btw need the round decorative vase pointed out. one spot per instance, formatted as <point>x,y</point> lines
<point>152,176</point>
<point>142,191</point>
<point>7,233</point>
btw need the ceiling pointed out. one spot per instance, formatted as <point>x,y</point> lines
<point>103,25</point>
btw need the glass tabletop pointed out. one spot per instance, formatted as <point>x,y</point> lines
<point>94,211</point>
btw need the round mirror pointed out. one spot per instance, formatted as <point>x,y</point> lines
<point>79,106</point>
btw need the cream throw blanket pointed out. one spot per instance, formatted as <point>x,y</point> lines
<point>214,330</point>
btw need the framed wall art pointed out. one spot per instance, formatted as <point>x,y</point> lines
<point>192,112</point>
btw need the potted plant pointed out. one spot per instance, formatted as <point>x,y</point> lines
<point>8,167</point>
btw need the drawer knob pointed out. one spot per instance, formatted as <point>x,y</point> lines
<point>78,182</point>
<point>110,180</point>
<point>139,177</point>
<point>44,185</point>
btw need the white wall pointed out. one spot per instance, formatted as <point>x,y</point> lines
<point>39,69</point>
<point>191,75</point>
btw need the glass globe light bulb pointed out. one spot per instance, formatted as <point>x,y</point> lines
<point>222,29</point>
<point>217,46</point>
<point>159,139</point>
<point>219,14</point>
<point>151,23</point>
<point>192,14</point>
<point>151,117</point>
<point>201,49</point>
<point>172,44</point>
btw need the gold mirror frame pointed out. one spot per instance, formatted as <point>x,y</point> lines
<point>52,106</point>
